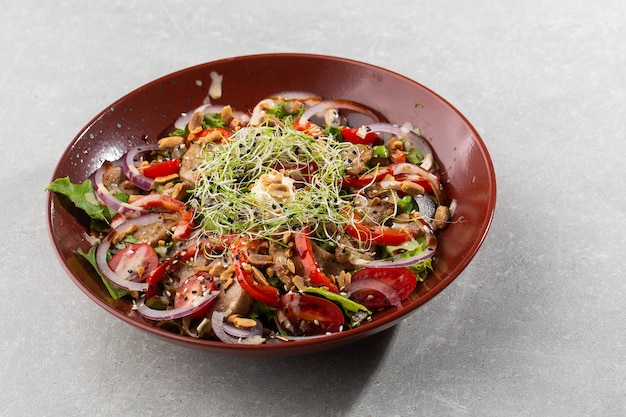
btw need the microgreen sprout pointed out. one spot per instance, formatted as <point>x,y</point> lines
<point>227,173</point>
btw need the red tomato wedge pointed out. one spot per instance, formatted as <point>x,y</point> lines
<point>308,128</point>
<point>401,279</point>
<point>192,288</point>
<point>135,262</point>
<point>307,315</point>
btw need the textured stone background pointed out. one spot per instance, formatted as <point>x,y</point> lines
<point>535,326</point>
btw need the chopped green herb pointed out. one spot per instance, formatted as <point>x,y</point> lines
<point>83,196</point>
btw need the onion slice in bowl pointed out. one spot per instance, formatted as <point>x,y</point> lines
<point>230,334</point>
<point>198,303</point>
<point>110,201</point>
<point>412,169</point>
<point>322,106</point>
<point>102,249</point>
<point>131,170</point>
<point>372,284</point>
<point>416,140</point>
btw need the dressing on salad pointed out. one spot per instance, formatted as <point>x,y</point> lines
<point>288,222</point>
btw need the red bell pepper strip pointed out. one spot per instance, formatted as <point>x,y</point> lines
<point>352,135</point>
<point>243,272</point>
<point>397,156</point>
<point>162,169</point>
<point>169,264</point>
<point>184,226</point>
<point>425,183</point>
<point>177,260</point>
<point>377,234</point>
<point>304,248</point>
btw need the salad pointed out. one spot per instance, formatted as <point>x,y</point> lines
<point>300,218</point>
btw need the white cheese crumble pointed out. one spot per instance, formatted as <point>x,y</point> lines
<point>272,191</point>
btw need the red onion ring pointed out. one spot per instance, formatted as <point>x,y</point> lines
<point>184,118</point>
<point>338,104</point>
<point>102,249</point>
<point>224,331</point>
<point>408,168</point>
<point>131,170</point>
<point>109,200</point>
<point>375,285</point>
<point>198,303</point>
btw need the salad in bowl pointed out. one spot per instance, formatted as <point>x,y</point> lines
<point>301,218</point>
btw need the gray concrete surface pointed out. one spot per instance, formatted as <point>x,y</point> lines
<point>535,326</point>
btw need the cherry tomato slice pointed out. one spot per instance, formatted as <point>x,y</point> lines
<point>402,280</point>
<point>307,315</point>
<point>135,262</point>
<point>379,235</point>
<point>162,169</point>
<point>192,288</point>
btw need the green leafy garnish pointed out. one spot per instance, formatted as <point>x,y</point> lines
<point>409,249</point>
<point>421,269</point>
<point>414,156</point>
<point>227,174</point>
<point>212,121</point>
<point>116,293</point>
<point>83,196</point>
<point>263,312</point>
<point>347,304</point>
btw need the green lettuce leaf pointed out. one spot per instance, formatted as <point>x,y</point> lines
<point>83,196</point>
<point>116,293</point>
<point>409,249</point>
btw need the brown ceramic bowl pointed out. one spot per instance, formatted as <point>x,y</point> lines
<point>148,112</point>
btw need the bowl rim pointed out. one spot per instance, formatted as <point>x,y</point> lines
<point>304,346</point>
